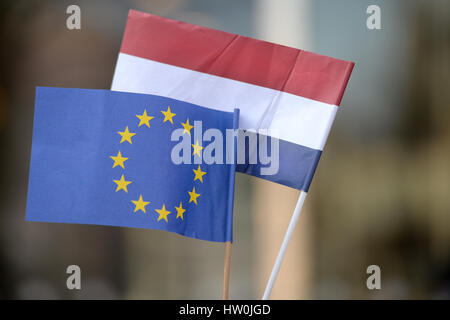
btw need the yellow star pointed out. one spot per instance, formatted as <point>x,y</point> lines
<point>163,213</point>
<point>199,174</point>
<point>187,127</point>
<point>180,211</point>
<point>144,119</point>
<point>197,149</point>
<point>122,184</point>
<point>140,204</point>
<point>194,196</point>
<point>168,115</point>
<point>118,160</point>
<point>126,135</point>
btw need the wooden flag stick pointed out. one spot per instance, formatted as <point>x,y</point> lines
<point>287,238</point>
<point>226,270</point>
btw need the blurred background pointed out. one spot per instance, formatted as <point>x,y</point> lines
<point>381,194</point>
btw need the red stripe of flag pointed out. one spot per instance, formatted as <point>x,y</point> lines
<point>236,57</point>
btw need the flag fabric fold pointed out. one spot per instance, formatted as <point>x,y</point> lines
<point>103,157</point>
<point>290,92</point>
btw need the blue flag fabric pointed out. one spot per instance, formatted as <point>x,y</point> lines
<point>104,157</point>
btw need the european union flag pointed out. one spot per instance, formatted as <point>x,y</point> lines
<point>132,160</point>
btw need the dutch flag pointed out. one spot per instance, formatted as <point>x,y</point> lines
<point>292,92</point>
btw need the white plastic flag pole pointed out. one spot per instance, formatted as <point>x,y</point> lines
<point>287,238</point>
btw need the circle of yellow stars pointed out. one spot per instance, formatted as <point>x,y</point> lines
<point>119,161</point>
